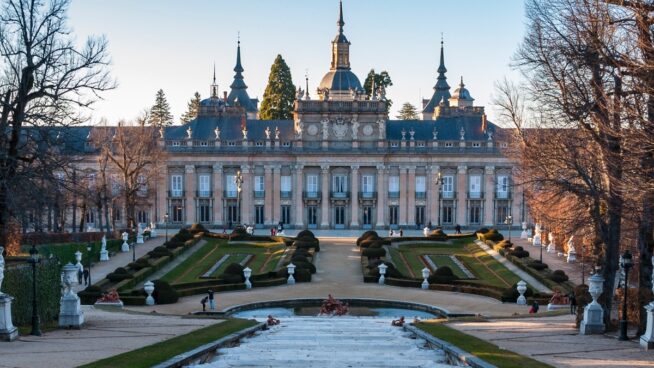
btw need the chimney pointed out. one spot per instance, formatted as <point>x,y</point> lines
<point>225,96</point>
<point>483,123</point>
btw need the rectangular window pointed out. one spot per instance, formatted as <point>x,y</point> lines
<point>393,186</point>
<point>393,212</point>
<point>420,184</point>
<point>448,186</point>
<point>502,186</point>
<point>367,215</point>
<point>204,210</point>
<point>312,216</point>
<point>312,184</point>
<point>339,183</point>
<point>420,215</point>
<point>475,213</point>
<point>177,211</point>
<point>259,186</point>
<point>475,186</point>
<point>204,185</point>
<point>176,185</point>
<point>90,217</point>
<point>142,217</point>
<point>286,215</point>
<point>90,179</point>
<point>230,184</point>
<point>285,186</point>
<point>448,214</point>
<point>367,184</point>
<point>502,211</point>
<point>258,215</point>
<point>116,213</point>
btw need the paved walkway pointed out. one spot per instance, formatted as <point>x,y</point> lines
<point>513,268</point>
<point>120,259</point>
<point>555,341</point>
<point>104,335</point>
<point>339,274</point>
<point>554,262</point>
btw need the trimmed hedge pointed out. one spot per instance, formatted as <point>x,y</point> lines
<point>559,276</point>
<point>511,294</point>
<point>519,252</point>
<point>368,235</point>
<point>442,275</point>
<point>373,252</point>
<point>164,293</point>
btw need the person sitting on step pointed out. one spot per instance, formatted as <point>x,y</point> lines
<point>398,322</point>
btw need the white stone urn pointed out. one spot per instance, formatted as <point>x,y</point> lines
<point>593,322</point>
<point>70,311</point>
<point>646,340</point>
<point>291,271</point>
<point>148,287</point>
<point>523,234</point>
<point>425,276</point>
<point>382,272</point>
<point>247,272</point>
<point>522,287</point>
<point>125,247</point>
<point>537,240</point>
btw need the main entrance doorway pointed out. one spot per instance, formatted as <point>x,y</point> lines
<point>339,217</point>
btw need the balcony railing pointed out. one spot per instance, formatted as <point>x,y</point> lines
<point>285,194</point>
<point>421,195</point>
<point>367,195</point>
<point>311,195</point>
<point>203,193</point>
<point>393,194</point>
<point>175,193</point>
<point>503,195</point>
<point>259,194</point>
<point>475,195</point>
<point>230,194</point>
<point>339,195</point>
<point>448,195</point>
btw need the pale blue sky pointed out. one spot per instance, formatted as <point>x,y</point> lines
<point>172,44</point>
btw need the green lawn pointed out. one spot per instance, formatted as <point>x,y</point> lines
<point>201,261</point>
<point>162,351</point>
<point>480,348</point>
<point>65,252</point>
<point>486,269</point>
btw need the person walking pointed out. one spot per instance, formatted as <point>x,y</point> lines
<point>80,275</point>
<point>86,276</point>
<point>401,232</point>
<point>534,307</point>
<point>457,229</point>
<point>212,302</point>
<point>573,302</point>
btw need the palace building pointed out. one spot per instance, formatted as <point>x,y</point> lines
<point>340,163</point>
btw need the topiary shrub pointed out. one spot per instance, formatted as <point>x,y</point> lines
<point>119,274</point>
<point>229,278</point>
<point>373,252</point>
<point>306,265</point>
<point>511,294</point>
<point>367,242</point>
<point>537,265</point>
<point>198,228</point>
<point>370,234</point>
<point>234,269</point>
<point>483,230</point>
<point>391,271</point>
<point>173,243</point>
<point>559,276</point>
<point>304,244</point>
<point>302,275</point>
<point>164,293</point>
<point>437,234</point>
<point>442,275</point>
<point>182,236</point>
<point>492,235</point>
<point>519,252</point>
<point>305,234</point>
<point>504,244</point>
<point>299,258</point>
<point>160,251</point>
<point>378,243</point>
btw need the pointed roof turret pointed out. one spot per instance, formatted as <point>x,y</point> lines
<point>441,89</point>
<point>214,85</point>
<point>340,22</point>
<point>238,87</point>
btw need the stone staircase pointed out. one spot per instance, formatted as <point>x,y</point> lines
<point>330,342</point>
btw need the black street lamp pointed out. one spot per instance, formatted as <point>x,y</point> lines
<point>89,248</point>
<point>509,221</point>
<point>166,225</point>
<point>541,248</point>
<point>439,185</point>
<point>134,247</point>
<point>36,322</point>
<point>626,263</point>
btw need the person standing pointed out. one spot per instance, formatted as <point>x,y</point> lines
<point>204,303</point>
<point>401,232</point>
<point>80,275</point>
<point>212,302</point>
<point>573,303</point>
<point>86,276</point>
<point>457,229</point>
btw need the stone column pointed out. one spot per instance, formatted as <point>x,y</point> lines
<point>411,197</point>
<point>269,191</point>
<point>162,195</point>
<point>276,188</point>
<point>217,194</point>
<point>403,196</point>
<point>190,187</point>
<point>354,221</point>
<point>324,187</point>
<point>432,195</point>
<point>297,191</point>
<point>382,193</point>
<point>489,195</point>
<point>246,195</point>
<point>461,195</point>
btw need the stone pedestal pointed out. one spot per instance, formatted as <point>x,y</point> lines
<point>124,247</point>
<point>104,255</point>
<point>551,248</point>
<point>71,314</point>
<point>593,322</point>
<point>553,307</point>
<point>572,256</point>
<point>8,332</point>
<point>153,233</point>
<point>139,239</point>
<point>647,340</point>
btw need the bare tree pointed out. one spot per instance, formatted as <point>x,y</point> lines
<point>44,81</point>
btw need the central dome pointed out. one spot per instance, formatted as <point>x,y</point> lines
<point>340,80</point>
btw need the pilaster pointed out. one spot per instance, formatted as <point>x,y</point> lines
<point>433,195</point>
<point>276,190</point>
<point>217,194</point>
<point>269,191</point>
<point>324,187</point>
<point>246,195</point>
<point>297,191</point>
<point>411,196</point>
<point>462,195</point>
<point>190,187</point>
<point>382,193</point>
<point>354,223</point>
<point>403,196</point>
<point>489,195</point>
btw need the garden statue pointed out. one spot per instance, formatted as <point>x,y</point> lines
<point>277,132</point>
<point>355,129</point>
<point>593,322</point>
<point>333,307</point>
<point>217,133</point>
<point>8,332</point>
<point>382,128</point>
<point>412,133</point>
<point>267,132</point>
<point>189,133</point>
<point>104,254</point>
<point>300,93</point>
<point>524,234</point>
<point>647,339</point>
<point>125,247</point>
<point>551,247</point>
<point>325,129</point>
<point>537,240</point>
<point>245,133</point>
<point>110,299</point>
<point>572,253</point>
<point>161,132</point>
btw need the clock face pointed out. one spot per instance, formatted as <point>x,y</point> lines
<point>312,129</point>
<point>367,130</point>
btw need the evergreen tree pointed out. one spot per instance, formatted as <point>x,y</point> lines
<point>408,112</point>
<point>381,79</point>
<point>160,112</point>
<point>192,109</point>
<point>280,92</point>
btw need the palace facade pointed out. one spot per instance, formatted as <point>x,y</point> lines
<point>340,163</point>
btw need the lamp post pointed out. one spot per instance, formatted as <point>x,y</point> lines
<point>89,248</point>
<point>626,264</point>
<point>509,221</point>
<point>541,251</point>
<point>36,322</point>
<point>238,180</point>
<point>439,184</point>
<point>166,225</point>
